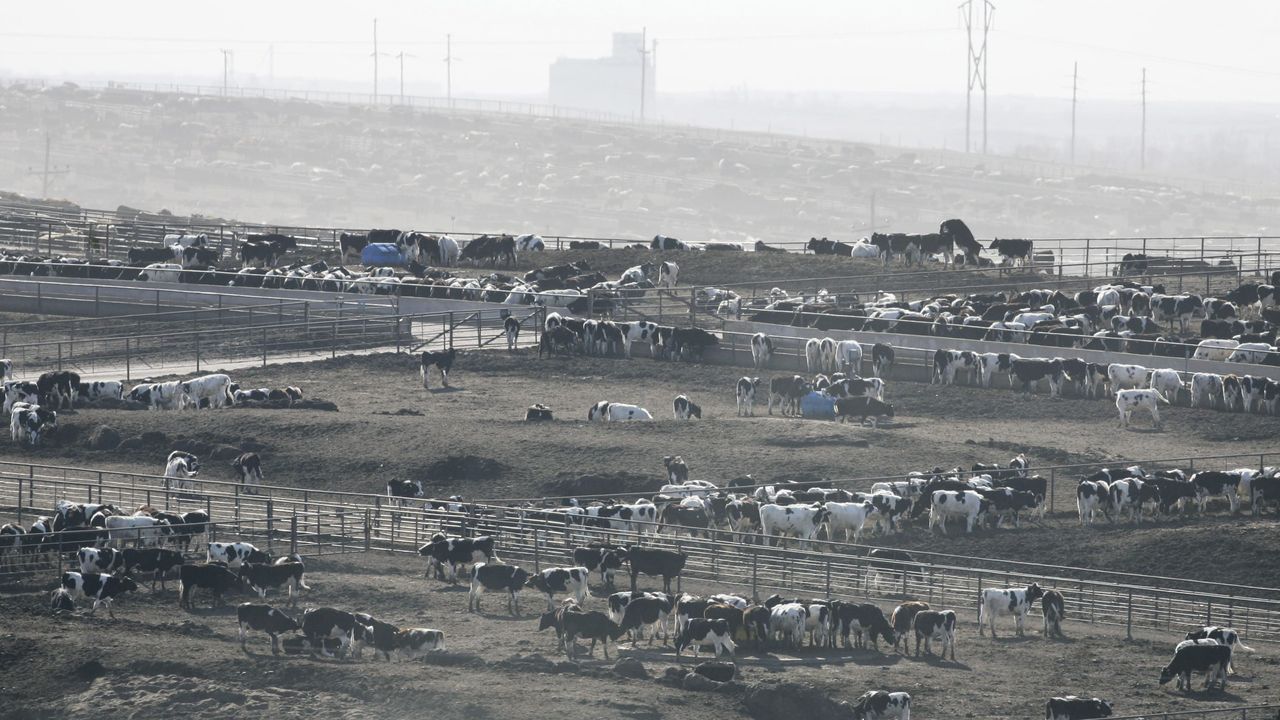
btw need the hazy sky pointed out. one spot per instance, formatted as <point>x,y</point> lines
<point>1226,50</point>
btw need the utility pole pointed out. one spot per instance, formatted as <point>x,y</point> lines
<point>401,56</point>
<point>271,63</point>
<point>976,67</point>
<point>1075,70</point>
<point>448,68</point>
<point>644,65</point>
<point>49,169</point>
<point>375,61</point>
<point>226,70</point>
<point>1142,153</point>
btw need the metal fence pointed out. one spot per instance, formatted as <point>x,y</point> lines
<point>1243,712</point>
<point>361,521</point>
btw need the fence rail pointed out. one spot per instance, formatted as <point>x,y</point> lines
<point>351,520</point>
<point>1242,712</point>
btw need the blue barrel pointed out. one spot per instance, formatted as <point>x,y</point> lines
<point>818,406</point>
<point>381,254</point>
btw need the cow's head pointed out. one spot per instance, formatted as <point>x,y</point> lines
<point>126,583</point>
<point>1167,673</point>
<point>1034,592</point>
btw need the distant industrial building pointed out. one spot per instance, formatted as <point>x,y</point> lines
<point>610,84</point>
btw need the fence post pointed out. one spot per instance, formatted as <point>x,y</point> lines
<point>537,552</point>
<point>693,304</point>
<point>755,557</point>
<point>19,501</point>
<point>479,335</point>
<point>1053,484</point>
<point>1208,615</point>
<point>197,351</point>
<point>237,499</point>
<point>450,330</point>
<point>99,487</point>
<point>293,532</point>
<point>828,577</point>
<point>1128,620</point>
<point>979,603</point>
<point>366,530</point>
<point>264,347</point>
<point>270,523</point>
<point>333,341</point>
<point>59,355</point>
<point>127,375</point>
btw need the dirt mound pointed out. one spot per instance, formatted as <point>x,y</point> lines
<point>305,404</point>
<point>104,437</point>
<point>114,404</point>
<point>619,483</point>
<point>464,467</point>
<point>790,700</point>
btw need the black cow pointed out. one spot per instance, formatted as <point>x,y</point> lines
<point>641,612</point>
<point>1075,708</point>
<point>963,238</point>
<point>585,245</point>
<point>1015,251</point>
<point>157,561</point>
<point>605,558</point>
<point>829,247</point>
<point>266,248</point>
<point>214,577</point>
<point>58,387</point>
<point>865,619</point>
<point>881,359</point>
<point>862,408</point>
<point>595,625</point>
<point>146,256</point>
<point>261,576</point>
<point>930,625</point>
<point>691,343</point>
<point>662,242</point>
<point>1030,371</point>
<point>1212,660</point>
<point>383,637</point>
<point>442,360</point>
<point>326,623</point>
<point>762,247</point>
<point>653,561</point>
<point>267,619</point>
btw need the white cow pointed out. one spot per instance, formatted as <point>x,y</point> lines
<point>1254,353</point>
<point>161,272</point>
<point>849,356</point>
<point>761,350</point>
<point>668,274</point>
<point>215,388</point>
<point>179,469</point>
<point>1207,386</point>
<point>1129,400</point>
<point>166,395</point>
<point>448,251</point>
<point>617,412</point>
<point>638,331</point>
<point>967,504</point>
<point>1167,381</point>
<point>1215,349</point>
<point>143,529</point>
<point>813,355</point>
<point>801,521</point>
<point>846,517</point>
<point>787,623</point>
<point>1015,602</point>
<point>1124,377</point>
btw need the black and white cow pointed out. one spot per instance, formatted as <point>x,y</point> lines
<point>881,705</point>
<point>1076,708</point>
<point>571,580</point>
<point>1212,660</point>
<point>1055,609</point>
<point>458,552</point>
<point>702,632</point>
<point>1030,371</point>
<point>684,408</point>
<point>58,388</point>
<point>262,576</point>
<point>249,467</point>
<point>931,625</point>
<point>235,554</point>
<point>157,561</point>
<point>1016,602</point>
<point>101,390</point>
<point>321,624</point>
<point>99,588</point>
<point>863,408</point>
<point>1224,636</point>
<point>442,360</point>
<point>606,558</point>
<point>761,350</point>
<point>214,577</point>
<point>864,621</point>
<point>882,357</point>
<point>267,619</point>
<point>746,392</point>
<point>490,577</point>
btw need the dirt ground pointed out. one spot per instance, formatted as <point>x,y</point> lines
<point>156,659</point>
<point>471,440</point>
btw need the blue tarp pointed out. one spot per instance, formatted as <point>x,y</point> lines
<point>381,254</point>
<point>818,406</point>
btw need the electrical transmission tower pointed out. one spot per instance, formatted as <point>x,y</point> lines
<point>50,170</point>
<point>976,66</point>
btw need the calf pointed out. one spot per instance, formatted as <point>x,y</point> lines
<point>458,551</point>
<point>489,577</point>
<point>260,577</point>
<point>641,614</point>
<point>845,518</point>
<point>157,561</point>
<point>248,467</point>
<point>882,357</point>
<point>102,589</point>
<point>1223,636</point>
<point>931,625</point>
<point>594,625</point>
<point>966,504</point>
<point>572,580</point>
<point>1074,708</point>
<point>1205,388</point>
<point>1054,608</point>
<point>1030,371</point>
<point>104,561</point>
<point>214,577</point>
<point>786,392</point>
<point>800,521</point>
<point>442,360</point>
<point>235,554</point>
<point>1014,602</point>
<point>863,408</point>
<point>746,392</point>
<point>684,408</point>
<point>1212,483</point>
<point>415,642</point>
<point>761,350</point>
<point>868,621</point>
<point>267,619</point>
<point>881,705</point>
<point>605,558</point>
<point>1212,660</point>
<point>701,632</point>
<point>1129,400</point>
<point>320,625</point>
<point>902,620</point>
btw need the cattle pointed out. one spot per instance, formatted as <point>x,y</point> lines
<point>101,390</point>
<point>1212,660</point>
<point>58,389</point>
<point>1092,496</point>
<point>1030,371</point>
<point>1223,636</point>
<point>1075,708</point>
<point>881,705</point>
<point>1011,601</point>
<point>594,625</point>
<point>267,619</point>
<point>866,622</point>
<point>165,272</point>
<point>743,516</point>
<point>651,612</point>
<point>248,467</point>
<point>662,242</point>
<point>946,363</point>
<point>571,580</point>
<point>143,256</point>
<point>668,274</point>
<point>803,522</point>
<point>105,560</point>
<point>98,587</point>
<point>684,408</point>
<point>902,620</point>
<point>214,577</point>
<point>442,360</point>
<point>786,392</point>
<point>215,389</point>
<point>655,561</point>
<point>966,504</point>
<point>1167,382</point>
<point>31,422</point>
<point>813,355</point>
<point>233,555</point>
<point>1213,483</point>
<point>1167,308</point>
<point>1255,353</point>
<point>415,642</point>
<point>1125,496</point>
<point>323,624</point>
<point>261,576</point>
<point>266,249</point>
<point>829,247</point>
<point>1264,490</point>
<point>20,392</point>
<point>848,517</point>
<point>934,625</point>
<point>882,357</point>
<point>746,393</point>
<point>157,561</point>
<point>787,622</point>
<point>490,577</point>
<point>703,632</point>
<point>1232,393</point>
<point>1015,252</point>
<point>761,350</point>
<point>1129,400</point>
<point>1007,501</point>
<point>1216,350</point>
<point>863,408</point>
<point>992,363</point>
<point>1054,608</point>
<point>458,551</point>
<point>605,558</point>
<point>605,411</point>
<point>178,471</point>
<point>142,530</point>
<point>1126,377</point>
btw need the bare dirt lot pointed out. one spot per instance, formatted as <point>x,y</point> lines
<point>157,660</point>
<point>471,440</point>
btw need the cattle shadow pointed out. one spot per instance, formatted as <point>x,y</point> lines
<point>445,390</point>
<point>1013,639</point>
<point>938,662</point>
<point>1201,695</point>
